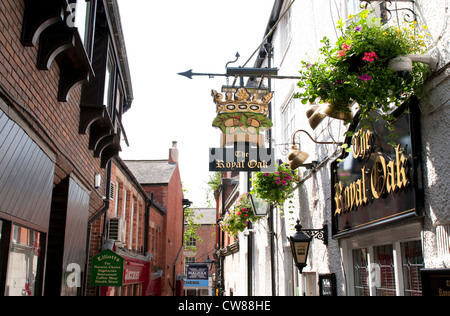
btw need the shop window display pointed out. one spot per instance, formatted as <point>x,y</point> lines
<point>23,263</point>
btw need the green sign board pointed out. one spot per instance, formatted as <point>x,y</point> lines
<point>107,269</point>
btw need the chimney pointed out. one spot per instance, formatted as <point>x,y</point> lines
<point>173,154</point>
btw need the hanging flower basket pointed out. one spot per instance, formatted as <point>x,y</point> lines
<point>275,187</point>
<point>356,68</point>
<point>239,216</point>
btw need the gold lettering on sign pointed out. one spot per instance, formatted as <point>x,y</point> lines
<point>241,154</point>
<point>443,292</point>
<point>351,196</point>
<point>378,177</point>
<point>361,143</point>
<point>386,177</point>
<point>402,179</point>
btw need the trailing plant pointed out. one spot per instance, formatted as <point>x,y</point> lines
<point>355,68</point>
<point>239,216</point>
<point>275,187</point>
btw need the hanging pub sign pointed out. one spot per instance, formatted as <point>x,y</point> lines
<point>242,116</point>
<point>242,157</point>
<point>375,182</point>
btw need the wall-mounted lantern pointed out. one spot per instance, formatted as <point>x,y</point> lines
<point>300,243</point>
<point>297,158</point>
<point>260,207</point>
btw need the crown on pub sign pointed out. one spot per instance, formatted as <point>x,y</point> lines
<point>243,101</point>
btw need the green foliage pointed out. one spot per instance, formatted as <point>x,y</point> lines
<point>242,122</point>
<point>190,226</point>
<point>214,183</point>
<point>275,187</point>
<point>355,68</point>
<point>239,216</point>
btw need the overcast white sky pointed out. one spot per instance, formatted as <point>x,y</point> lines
<point>164,38</point>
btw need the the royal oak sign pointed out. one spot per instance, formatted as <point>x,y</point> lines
<point>376,180</point>
<point>242,157</point>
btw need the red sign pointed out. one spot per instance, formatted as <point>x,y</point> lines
<point>133,273</point>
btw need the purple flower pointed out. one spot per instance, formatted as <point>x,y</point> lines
<point>267,174</point>
<point>365,77</point>
<point>280,162</point>
<point>358,29</point>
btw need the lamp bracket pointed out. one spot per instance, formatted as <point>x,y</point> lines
<point>320,234</point>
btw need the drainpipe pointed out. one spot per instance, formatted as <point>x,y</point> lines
<point>103,211</point>
<point>250,249</point>
<point>268,47</point>
<point>147,220</point>
<point>186,204</point>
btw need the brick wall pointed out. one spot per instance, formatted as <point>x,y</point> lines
<point>32,94</point>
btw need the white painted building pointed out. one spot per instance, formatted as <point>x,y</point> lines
<point>361,259</point>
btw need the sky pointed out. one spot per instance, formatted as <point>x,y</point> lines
<point>164,38</point>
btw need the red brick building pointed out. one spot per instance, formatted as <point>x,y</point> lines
<point>162,182</point>
<point>64,86</point>
<point>131,228</point>
<point>204,250</point>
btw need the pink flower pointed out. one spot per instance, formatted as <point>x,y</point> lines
<point>345,47</point>
<point>365,77</point>
<point>341,53</point>
<point>370,57</point>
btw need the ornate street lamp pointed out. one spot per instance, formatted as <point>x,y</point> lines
<point>301,241</point>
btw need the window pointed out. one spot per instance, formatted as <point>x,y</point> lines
<point>285,31</point>
<point>124,209</point>
<point>384,271</point>
<point>390,269</point>
<point>81,11</point>
<point>130,236</point>
<point>24,264</point>
<point>353,7</point>
<point>288,121</point>
<point>412,262</point>
<point>116,199</point>
<point>137,227</point>
<point>361,272</point>
<point>109,83</point>
<point>191,242</point>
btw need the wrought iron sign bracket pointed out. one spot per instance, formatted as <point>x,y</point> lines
<point>320,234</point>
<point>390,6</point>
